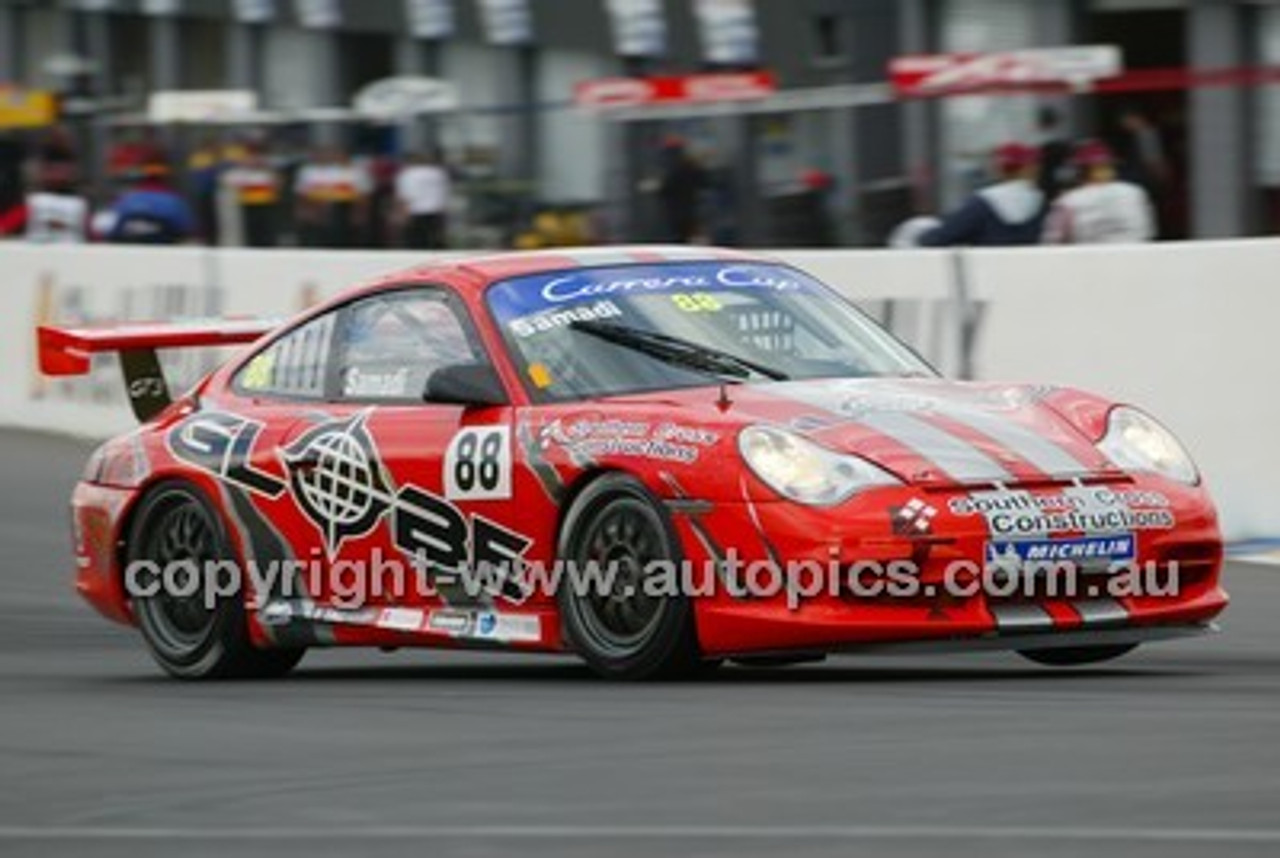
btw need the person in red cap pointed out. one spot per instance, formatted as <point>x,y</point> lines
<point>149,211</point>
<point>1103,209</point>
<point>1010,212</point>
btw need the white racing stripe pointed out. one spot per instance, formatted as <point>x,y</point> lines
<point>355,834</point>
<point>957,457</point>
<point>954,454</point>
<point>598,258</point>
<point>1045,455</point>
<point>675,253</point>
<point>1021,618</point>
<point>1101,612</point>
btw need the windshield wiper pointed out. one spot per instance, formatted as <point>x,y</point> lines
<point>676,351</point>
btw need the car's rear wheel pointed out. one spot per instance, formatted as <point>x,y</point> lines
<point>616,526</point>
<point>1073,656</point>
<point>189,633</point>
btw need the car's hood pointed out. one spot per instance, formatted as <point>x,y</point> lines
<point>923,430</point>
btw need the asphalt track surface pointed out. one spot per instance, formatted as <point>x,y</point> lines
<point>1174,751</point>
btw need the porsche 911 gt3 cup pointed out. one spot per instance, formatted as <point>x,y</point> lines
<point>743,464</point>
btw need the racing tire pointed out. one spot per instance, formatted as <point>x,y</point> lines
<point>1076,655</point>
<point>626,633</point>
<point>176,524</point>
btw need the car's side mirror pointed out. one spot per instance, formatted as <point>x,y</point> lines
<point>466,384</point>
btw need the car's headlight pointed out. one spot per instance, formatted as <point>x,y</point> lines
<point>803,471</point>
<point>1137,442</point>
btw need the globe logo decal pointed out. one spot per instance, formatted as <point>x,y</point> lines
<point>338,480</point>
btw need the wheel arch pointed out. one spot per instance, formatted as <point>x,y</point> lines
<point>141,494</point>
<point>573,490</point>
<point>673,653</point>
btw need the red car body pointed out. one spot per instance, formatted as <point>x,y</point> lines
<point>238,450</point>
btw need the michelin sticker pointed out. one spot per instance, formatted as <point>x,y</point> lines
<point>1080,550</point>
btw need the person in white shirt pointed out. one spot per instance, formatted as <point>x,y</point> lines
<point>57,218</point>
<point>422,201</point>
<point>251,190</point>
<point>1103,209</point>
<point>332,197</point>
<point>56,214</point>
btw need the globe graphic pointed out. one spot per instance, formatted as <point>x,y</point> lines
<point>340,487</point>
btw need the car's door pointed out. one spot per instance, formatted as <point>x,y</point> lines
<point>406,493</point>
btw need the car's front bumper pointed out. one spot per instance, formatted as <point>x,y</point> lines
<point>1181,551</point>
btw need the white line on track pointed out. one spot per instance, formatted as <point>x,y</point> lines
<point>1271,558</point>
<point>623,832</point>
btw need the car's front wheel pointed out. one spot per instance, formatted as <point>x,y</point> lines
<point>178,540</point>
<point>625,630</point>
<point>1073,656</point>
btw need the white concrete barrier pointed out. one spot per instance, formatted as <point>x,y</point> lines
<point>1179,329</point>
<point>45,284</point>
<point>1183,330</point>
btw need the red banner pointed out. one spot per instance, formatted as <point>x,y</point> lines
<point>951,74</point>
<point>618,92</point>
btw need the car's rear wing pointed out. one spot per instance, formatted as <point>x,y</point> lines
<point>69,351</point>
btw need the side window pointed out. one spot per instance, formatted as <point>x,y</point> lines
<point>390,344</point>
<point>295,365</point>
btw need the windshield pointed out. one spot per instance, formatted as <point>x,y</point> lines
<point>608,331</point>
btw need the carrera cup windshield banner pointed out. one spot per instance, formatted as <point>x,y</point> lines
<point>528,304</point>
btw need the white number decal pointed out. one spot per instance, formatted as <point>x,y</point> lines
<point>477,465</point>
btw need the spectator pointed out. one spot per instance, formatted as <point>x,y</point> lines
<point>254,189</point>
<point>57,151</point>
<point>129,154</point>
<point>308,193</point>
<point>381,210</point>
<point>1055,153</point>
<point>12,156</point>
<point>680,190</point>
<point>1104,209</point>
<point>722,203</point>
<point>1010,212</point>
<point>150,211</point>
<point>204,166</point>
<point>817,226</point>
<point>332,198</point>
<point>1143,156</point>
<point>422,201</point>
<point>56,214</point>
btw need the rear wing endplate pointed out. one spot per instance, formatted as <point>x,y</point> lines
<point>69,351</point>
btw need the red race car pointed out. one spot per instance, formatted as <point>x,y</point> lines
<point>656,458</point>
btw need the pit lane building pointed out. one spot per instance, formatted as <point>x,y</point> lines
<point>515,64</point>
